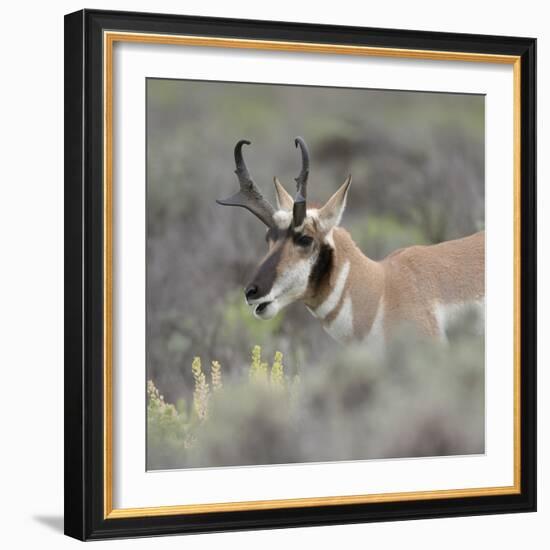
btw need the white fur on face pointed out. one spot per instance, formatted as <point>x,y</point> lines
<point>282,219</point>
<point>289,286</point>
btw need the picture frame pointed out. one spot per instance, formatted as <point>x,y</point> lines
<point>90,158</point>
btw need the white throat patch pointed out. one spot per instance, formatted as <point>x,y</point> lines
<point>333,299</point>
<point>341,329</point>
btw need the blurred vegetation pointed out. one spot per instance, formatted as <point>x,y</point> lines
<point>418,400</point>
<point>178,436</point>
<point>417,161</point>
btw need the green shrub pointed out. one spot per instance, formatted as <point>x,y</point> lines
<point>238,321</point>
<point>420,398</point>
<point>172,432</point>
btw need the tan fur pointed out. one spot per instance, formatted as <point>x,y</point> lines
<point>283,197</point>
<point>290,255</point>
<point>420,277</point>
<point>364,285</point>
<point>408,284</point>
<point>411,285</point>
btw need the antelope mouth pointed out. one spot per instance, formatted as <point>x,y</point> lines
<point>260,308</point>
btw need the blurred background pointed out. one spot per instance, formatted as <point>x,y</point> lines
<point>417,161</point>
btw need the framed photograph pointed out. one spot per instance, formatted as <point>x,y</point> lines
<point>357,341</point>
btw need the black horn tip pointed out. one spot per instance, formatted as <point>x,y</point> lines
<point>300,142</point>
<point>242,142</point>
<point>238,150</point>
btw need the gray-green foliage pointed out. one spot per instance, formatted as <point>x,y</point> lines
<point>178,436</point>
<point>419,399</point>
<point>417,161</point>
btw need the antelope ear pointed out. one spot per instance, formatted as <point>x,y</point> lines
<point>331,213</point>
<point>284,199</point>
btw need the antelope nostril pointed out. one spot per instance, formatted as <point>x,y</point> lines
<point>250,292</point>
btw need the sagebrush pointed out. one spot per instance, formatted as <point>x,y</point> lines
<point>419,399</point>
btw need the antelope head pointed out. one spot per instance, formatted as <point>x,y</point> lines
<point>299,239</point>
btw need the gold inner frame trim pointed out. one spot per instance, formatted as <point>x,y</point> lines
<point>109,39</point>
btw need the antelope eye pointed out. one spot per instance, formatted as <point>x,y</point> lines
<point>304,240</point>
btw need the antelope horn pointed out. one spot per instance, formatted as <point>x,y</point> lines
<point>300,205</point>
<point>249,196</point>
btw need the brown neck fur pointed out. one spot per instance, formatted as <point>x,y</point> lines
<point>364,285</point>
<point>408,284</point>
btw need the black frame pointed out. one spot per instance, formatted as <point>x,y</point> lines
<point>84,275</point>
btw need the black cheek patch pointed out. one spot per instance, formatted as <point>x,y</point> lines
<point>266,273</point>
<point>322,266</point>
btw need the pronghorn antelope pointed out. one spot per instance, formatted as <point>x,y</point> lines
<point>312,259</point>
